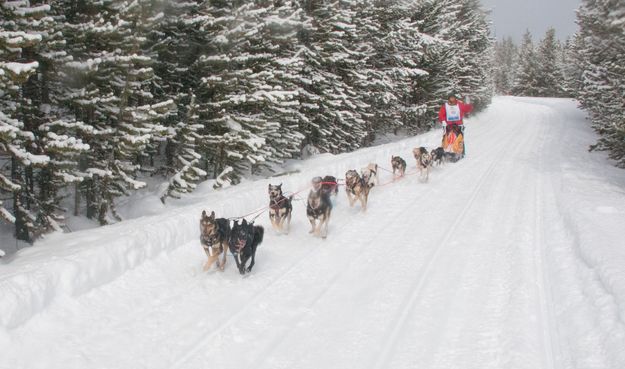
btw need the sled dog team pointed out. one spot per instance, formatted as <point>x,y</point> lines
<point>242,239</point>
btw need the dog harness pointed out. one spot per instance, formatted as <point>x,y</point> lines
<point>208,243</point>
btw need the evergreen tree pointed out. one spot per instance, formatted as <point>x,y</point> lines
<point>458,57</point>
<point>20,40</point>
<point>248,96</point>
<point>186,143</point>
<point>550,76</point>
<point>112,89</point>
<point>505,64</point>
<point>603,79</point>
<point>527,76</point>
<point>333,59</point>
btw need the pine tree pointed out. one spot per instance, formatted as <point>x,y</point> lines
<point>186,143</point>
<point>505,62</point>
<point>550,76</point>
<point>458,57</point>
<point>111,90</point>
<point>527,76</point>
<point>248,97</point>
<point>603,79</point>
<point>20,39</point>
<point>333,61</point>
<point>394,66</point>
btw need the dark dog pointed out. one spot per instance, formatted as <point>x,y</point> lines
<point>214,237</point>
<point>244,240</point>
<point>329,185</point>
<point>451,157</point>
<point>399,165</point>
<point>280,209</point>
<point>319,208</point>
<point>424,160</point>
<point>356,186</point>
<point>438,155</point>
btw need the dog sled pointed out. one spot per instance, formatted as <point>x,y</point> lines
<point>453,143</point>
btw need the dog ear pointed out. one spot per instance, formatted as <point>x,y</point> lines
<point>203,214</point>
<point>244,222</point>
<point>280,186</point>
<point>212,217</point>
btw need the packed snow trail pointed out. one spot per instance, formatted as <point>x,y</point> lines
<point>505,259</point>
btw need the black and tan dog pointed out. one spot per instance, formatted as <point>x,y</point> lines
<point>424,160</point>
<point>280,209</point>
<point>244,240</point>
<point>214,237</point>
<point>398,164</point>
<point>356,188</point>
<point>319,207</point>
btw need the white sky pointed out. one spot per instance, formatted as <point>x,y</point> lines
<point>513,17</point>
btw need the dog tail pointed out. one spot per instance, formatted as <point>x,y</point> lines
<point>259,233</point>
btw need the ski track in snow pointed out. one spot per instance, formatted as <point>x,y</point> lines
<point>502,260</point>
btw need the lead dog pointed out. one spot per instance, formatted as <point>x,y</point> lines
<point>214,236</point>
<point>399,165</point>
<point>356,189</point>
<point>319,208</point>
<point>244,240</point>
<point>280,209</point>
<point>424,161</point>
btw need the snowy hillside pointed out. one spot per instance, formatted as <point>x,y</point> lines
<point>510,258</point>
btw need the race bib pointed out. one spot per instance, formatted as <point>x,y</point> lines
<point>453,112</point>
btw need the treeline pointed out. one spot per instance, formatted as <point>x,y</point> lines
<point>589,67</point>
<point>98,95</point>
<point>529,69</point>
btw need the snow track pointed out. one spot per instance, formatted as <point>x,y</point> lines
<point>487,265</point>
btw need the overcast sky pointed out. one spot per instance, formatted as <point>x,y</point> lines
<point>513,17</point>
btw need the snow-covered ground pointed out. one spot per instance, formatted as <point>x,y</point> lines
<point>510,258</point>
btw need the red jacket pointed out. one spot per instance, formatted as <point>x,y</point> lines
<point>464,108</point>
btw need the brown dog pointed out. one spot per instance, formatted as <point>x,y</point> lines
<point>214,235</point>
<point>356,189</point>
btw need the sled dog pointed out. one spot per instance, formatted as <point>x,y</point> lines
<point>280,209</point>
<point>356,189</point>
<point>244,240</point>
<point>214,237</point>
<point>329,185</point>
<point>319,208</point>
<point>370,174</point>
<point>424,160</point>
<point>398,165</point>
<point>438,154</point>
